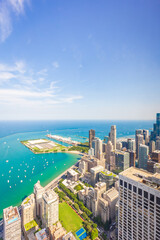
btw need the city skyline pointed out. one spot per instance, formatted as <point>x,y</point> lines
<point>79,60</point>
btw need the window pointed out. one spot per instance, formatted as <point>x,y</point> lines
<point>146,194</point>
<point>134,189</point>
<point>121,182</point>
<point>125,184</point>
<point>130,187</point>
<point>152,197</point>
<point>140,191</point>
<point>158,200</point>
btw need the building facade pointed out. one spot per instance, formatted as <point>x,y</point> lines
<point>139,205</point>
<point>11,224</point>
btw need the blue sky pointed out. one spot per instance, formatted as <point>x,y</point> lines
<point>83,59</point>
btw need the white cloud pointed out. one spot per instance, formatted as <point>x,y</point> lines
<point>43,72</point>
<point>29,97</point>
<point>55,64</point>
<point>6,8</point>
<point>6,76</point>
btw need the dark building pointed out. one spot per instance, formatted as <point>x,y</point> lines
<point>91,137</point>
<point>150,166</point>
<point>156,156</point>
<point>132,158</point>
<point>156,129</point>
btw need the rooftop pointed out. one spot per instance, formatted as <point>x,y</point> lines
<point>143,176</point>
<point>72,172</point>
<point>11,214</point>
<point>50,196</point>
<point>69,236</point>
<point>42,235</point>
<point>97,168</point>
<point>28,201</point>
<point>112,193</point>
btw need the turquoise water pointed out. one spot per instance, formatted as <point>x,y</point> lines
<point>20,169</point>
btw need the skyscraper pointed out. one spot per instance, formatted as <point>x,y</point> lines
<point>112,136</point>
<point>91,137</point>
<point>121,160</point>
<point>143,156</point>
<point>12,224</point>
<point>156,129</point>
<point>131,144</point>
<point>139,205</point>
<point>50,208</point>
<point>97,146</point>
<point>139,140</point>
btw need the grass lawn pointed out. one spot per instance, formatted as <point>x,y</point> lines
<point>30,225</point>
<point>69,219</point>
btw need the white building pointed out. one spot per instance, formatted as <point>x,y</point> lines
<point>12,224</point>
<point>113,136</point>
<point>50,208</point>
<point>139,205</point>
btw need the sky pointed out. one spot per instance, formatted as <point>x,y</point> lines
<point>83,59</point>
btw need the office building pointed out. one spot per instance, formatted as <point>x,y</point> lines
<point>139,205</point>
<point>112,136</point>
<point>152,146</point>
<point>118,145</point>
<point>95,174</point>
<point>11,224</point>
<point>143,156</point>
<point>108,150</point>
<point>97,146</point>
<point>156,129</point>
<point>146,136</point>
<point>28,209</point>
<point>91,137</point>
<point>121,160</point>
<point>50,208</point>
<point>158,143</point>
<point>132,158</point>
<point>131,144</point>
<point>139,140</point>
<point>91,152</point>
<point>108,177</point>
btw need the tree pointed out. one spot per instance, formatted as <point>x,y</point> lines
<point>94,233</point>
<point>76,206</point>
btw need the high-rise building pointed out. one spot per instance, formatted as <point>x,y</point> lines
<point>108,150</point>
<point>132,158</point>
<point>97,146</point>
<point>158,143</point>
<point>91,137</point>
<point>95,174</point>
<point>38,192</point>
<point>121,160</point>
<point>146,136</point>
<point>28,209</point>
<point>139,205</point>
<point>50,208</point>
<point>139,140</point>
<point>12,224</point>
<point>131,144</point>
<point>118,145</point>
<point>143,156</point>
<point>156,129</point>
<point>152,146</point>
<point>112,136</point>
